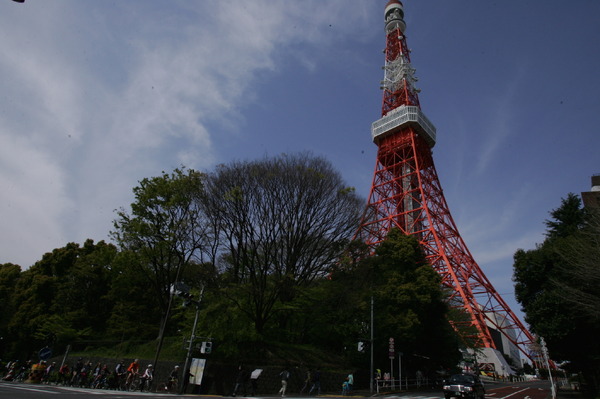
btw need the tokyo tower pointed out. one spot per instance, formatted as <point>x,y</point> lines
<point>406,194</point>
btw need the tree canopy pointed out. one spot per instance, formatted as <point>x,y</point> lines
<point>268,241</point>
<point>557,286</point>
<point>283,222</point>
<point>165,230</point>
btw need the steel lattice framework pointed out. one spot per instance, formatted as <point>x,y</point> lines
<point>406,194</point>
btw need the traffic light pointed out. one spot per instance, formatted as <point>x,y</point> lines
<point>206,347</point>
<point>183,291</point>
<point>361,346</point>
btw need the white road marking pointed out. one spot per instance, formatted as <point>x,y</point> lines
<point>514,393</point>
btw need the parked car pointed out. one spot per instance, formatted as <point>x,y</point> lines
<point>464,386</point>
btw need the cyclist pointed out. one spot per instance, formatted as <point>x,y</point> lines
<point>101,378</point>
<point>64,374</point>
<point>146,379</point>
<point>120,371</point>
<point>132,371</point>
<point>76,370</point>
<point>173,379</point>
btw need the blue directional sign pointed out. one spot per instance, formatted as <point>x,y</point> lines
<point>45,353</point>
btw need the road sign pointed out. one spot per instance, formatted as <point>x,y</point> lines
<point>392,349</point>
<point>45,353</point>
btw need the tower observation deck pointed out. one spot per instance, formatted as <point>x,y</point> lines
<point>406,194</point>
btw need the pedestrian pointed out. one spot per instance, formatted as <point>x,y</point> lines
<point>377,378</point>
<point>386,379</point>
<point>350,382</point>
<point>186,380</point>
<point>345,387</point>
<point>285,376</point>
<point>254,381</point>
<point>240,381</point>
<point>316,382</point>
<point>307,381</point>
<point>419,376</point>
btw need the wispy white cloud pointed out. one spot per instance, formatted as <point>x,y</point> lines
<point>489,229</point>
<point>96,97</point>
<point>500,128</point>
<point>32,198</point>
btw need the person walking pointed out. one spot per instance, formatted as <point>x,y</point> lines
<point>186,380</point>
<point>345,387</point>
<point>240,381</point>
<point>307,381</point>
<point>285,376</point>
<point>316,382</point>
<point>254,381</point>
<point>350,382</point>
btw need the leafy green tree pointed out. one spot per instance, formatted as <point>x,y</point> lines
<point>283,222</point>
<point>34,297</point>
<point>411,304</point>
<point>135,312</point>
<point>82,294</point>
<point>554,284</point>
<point>568,219</point>
<point>62,297</point>
<point>9,275</point>
<point>165,230</point>
<point>579,257</point>
<point>334,313</point>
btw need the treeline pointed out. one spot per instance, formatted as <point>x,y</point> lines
<point>268,243</point>
<point>558,287</point>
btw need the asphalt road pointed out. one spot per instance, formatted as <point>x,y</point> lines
<point>523,390</point>
<point>9,390</point>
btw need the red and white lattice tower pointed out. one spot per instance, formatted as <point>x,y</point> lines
<point>406,194</point>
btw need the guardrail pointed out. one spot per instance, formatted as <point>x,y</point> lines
<point>403,384</point>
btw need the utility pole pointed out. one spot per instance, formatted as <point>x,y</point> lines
<point>161,333</point>
<point>400,370</point>
<point>191,345</point>
<point>545,353</point>
<point>165,320</point>
<point>371,345</point>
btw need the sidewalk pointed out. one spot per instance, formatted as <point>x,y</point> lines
<point>568,394</point>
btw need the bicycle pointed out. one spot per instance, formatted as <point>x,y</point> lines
<point>145,384</point>
<point>100,383</point>
<point>132,382</point>
<point>122,384</point>
<point>170,386</point>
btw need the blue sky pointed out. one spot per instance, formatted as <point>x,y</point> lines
<point>95,96</point>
